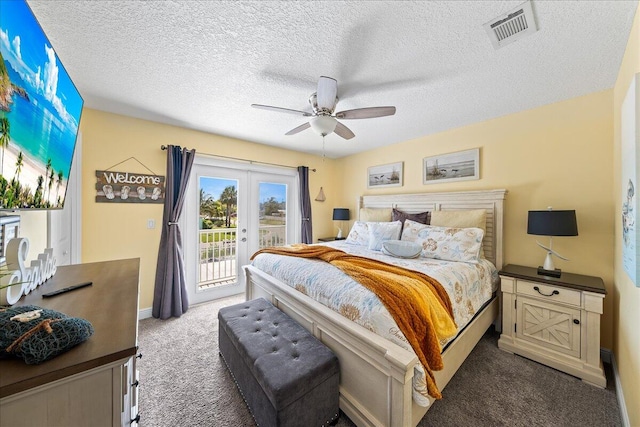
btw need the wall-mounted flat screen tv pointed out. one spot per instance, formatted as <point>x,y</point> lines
<point>40,110</point>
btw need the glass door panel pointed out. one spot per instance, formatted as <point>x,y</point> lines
<point>272,227</point>
<point>217,231</point>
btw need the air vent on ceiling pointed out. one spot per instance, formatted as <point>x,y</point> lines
<point>512,26</point>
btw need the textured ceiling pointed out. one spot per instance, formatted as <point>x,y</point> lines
<point>201,64</point>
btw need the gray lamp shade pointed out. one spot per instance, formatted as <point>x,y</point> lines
<point>341,214</point>
<point>552,223</point>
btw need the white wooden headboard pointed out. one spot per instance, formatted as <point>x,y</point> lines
<point>490,200</point>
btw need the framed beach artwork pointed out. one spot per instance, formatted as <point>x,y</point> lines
<point>389,175</point>
<point>458,166</point>
<point>630,140</point>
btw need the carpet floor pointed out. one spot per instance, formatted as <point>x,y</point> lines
<point>183,381</point>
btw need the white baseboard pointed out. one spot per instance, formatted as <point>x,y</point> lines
<point>624,415</point>
<point>145,313</point>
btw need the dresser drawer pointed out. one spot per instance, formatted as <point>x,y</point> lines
<point>549,293</point>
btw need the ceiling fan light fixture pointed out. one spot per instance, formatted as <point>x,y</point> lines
<point>323,125</point>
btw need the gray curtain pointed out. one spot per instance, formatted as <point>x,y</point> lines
<point>170,293</point>
<point>305,204</point>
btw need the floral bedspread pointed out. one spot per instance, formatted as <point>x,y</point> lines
<point>469,287</point>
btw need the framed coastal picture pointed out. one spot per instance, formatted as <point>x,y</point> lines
<point>458,166</point>
<point>630,140</point>
<point>389,175</point>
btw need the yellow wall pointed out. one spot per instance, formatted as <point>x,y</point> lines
<point>114,231</point>
<point>558,155</point>
<point>626,297</point>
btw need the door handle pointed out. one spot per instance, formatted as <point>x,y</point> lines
<point>244,239</point>
<point>244,230</point>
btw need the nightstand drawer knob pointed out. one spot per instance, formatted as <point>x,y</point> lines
<point>576,321</point>
<point>556,292</point>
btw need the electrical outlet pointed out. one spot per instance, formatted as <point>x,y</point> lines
<point>151,224</point>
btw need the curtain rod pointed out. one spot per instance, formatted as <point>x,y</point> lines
<point>164,147</point>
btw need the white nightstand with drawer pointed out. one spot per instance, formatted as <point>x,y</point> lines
<point>554,321</point>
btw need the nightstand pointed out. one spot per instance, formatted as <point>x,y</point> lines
<point>330,239</point>
<point>554,321</point>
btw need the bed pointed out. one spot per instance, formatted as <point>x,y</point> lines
<point>376,375</point>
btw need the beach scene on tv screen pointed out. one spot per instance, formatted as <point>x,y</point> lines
<point>40,112</point>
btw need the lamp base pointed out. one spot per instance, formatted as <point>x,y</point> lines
<point>551,273</point>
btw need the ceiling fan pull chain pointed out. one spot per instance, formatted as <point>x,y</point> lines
<point>322,148</point>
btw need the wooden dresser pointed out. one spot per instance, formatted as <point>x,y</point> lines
<point>94,383</point>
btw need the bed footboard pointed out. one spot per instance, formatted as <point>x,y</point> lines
<point>375,375</point>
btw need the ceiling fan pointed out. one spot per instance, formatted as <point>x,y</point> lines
<point>323,120</point>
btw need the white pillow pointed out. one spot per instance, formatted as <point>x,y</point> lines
<point>380,232</point>
<point>401,249</point>
<point>375,214</point>
<point>450,244</point>
<point>359,234</point>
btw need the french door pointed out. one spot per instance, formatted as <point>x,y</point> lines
<point>232,209</point>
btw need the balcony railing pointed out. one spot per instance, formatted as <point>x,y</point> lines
<point>218,252</point>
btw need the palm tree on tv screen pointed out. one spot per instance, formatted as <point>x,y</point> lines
<point>38,196</point>
<point>19,164</point>
<point>46,174</point>
<point>5,128</point>
<point>58,184</point>
<point>51,176</point>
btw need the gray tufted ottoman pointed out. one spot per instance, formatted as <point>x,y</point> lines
<point>286,375</point>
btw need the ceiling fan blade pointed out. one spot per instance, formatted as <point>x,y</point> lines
<point>366,113</point>
<point>282,110</point>
<point>299,129</point>
<point>343,131</point>
<point>326,93</point>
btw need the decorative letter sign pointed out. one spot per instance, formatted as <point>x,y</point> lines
<point>22,279</point>
<point>129,187</point>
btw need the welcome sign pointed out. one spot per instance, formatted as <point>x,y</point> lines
<point>129,187</point>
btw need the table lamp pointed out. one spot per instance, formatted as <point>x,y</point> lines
<point>340,214</point>
<point>552,223</point>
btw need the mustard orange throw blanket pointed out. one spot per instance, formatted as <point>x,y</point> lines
<point>418,303</point>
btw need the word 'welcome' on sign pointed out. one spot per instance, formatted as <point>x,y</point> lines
<point>128,187</point>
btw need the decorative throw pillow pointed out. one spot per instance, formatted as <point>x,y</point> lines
<point>450,244</point>
<point>375,214</point>
<point>411,230</point>
<point>37,334</point>
<point>401,249</point>
<point>359,234</point>
<point>380,232</point>
<point>462,219</point>
<point>398,215</point>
